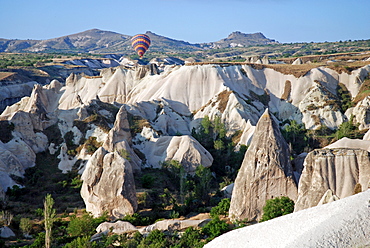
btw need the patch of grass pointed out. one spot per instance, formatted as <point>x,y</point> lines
<point>136,123</point>
<point>223,98</point>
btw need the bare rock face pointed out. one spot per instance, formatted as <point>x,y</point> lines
<point>119,140</point>
<point>265,173</point>
<point>185,149</point>
<point>121,128</point>
<point>173,225</point>
<point>338,169</point>
<point>319,108</point>
<point>361,113</point>
<point>328,197</point>
<point>108,185</point>
<point>118,227</point>
<point>298,61</point>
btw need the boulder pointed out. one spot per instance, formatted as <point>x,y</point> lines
<point>265,173</point>
<point>118,227</point>
<point>120,130</point>
<point>119,140</point>
<point>6,232</point>
<point>337,169</point>
<point>173,225</point>
<point>328,197</point>
<point>24,154</point>
<point>361,113</point>
<point>9,162</point>
<point>108,185</point>
<point>25,130</point>
<point>298,61</point>
<point>228,190</point>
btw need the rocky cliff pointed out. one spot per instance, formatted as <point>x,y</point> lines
<point>336,169</point>
<point>265,173</point>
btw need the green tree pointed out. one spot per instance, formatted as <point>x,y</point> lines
<point>295,134</point>
<point>84,225</point>
<point>277,207</point>
<point>346,129</point>
<point>81,242</point>
<point>203,181</point>
<point>191,238</point>
<point>155,239</point>
<point>25,225</point>
<point>49,218</point>
<point>215,228</point>
<point>221,209</point>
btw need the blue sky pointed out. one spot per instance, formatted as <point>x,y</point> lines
<point>194,21</point>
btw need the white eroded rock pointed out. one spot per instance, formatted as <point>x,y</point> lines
<point>185,149</point>
<point>265,173</point>
<point>328,197</point>
<point>343,223</point>
<point>337,169</point>
<point>173,225</point>
<point>108,185</point>
<point>118,227</point>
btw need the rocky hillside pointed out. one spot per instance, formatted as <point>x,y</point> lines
<point>239,39</point>
<point>99,41</point>
<point>87,41</point>
<point>160,141</point>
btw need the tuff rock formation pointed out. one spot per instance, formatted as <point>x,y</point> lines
<point>118,227</point>
<point>361,113</point>
<point>185,149</point>
<point>119,140</point>
<point>265,173</point>
<point>328,197</point>
<point>174,225</point>
<point>108,185</point>
<point>337,169</point>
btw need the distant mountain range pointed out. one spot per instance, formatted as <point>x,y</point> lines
<point>99,41</point>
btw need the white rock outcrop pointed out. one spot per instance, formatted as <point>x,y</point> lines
<point>173,225</point>
<point>265,173</point>
<point>184,149</point>
<point>337,169</point>
<point>108,185</point>
<point>118,227</point>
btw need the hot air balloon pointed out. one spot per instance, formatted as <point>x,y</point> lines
<point>140,43</point>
